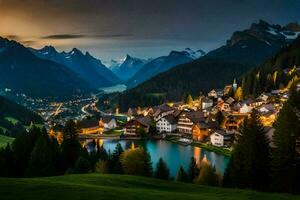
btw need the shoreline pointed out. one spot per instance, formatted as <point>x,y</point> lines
<point>218,150</point>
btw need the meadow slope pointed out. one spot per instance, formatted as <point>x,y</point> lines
<point>95,186</point>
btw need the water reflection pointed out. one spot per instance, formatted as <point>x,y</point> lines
<point>197,154</point>
<point>174,155</point>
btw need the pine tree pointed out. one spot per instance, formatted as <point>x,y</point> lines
<point>189,99</point>
<point>70,130</point>
<point>162,171</point>
<point>238,95</point>
<point>101,152</point>
<point>44,157</point>
<point>269,83</point>
<point>182,175</point>
<point>148,170</point>
<point>136,162</point>
<point>102,167</point>
<point>220,118</point>
<point>114,161</point>
<point>208,175</point>
<point>193,171</point>
<point>82,165</point>
<point>70,151</point>
<point>274,78</point>
<point>285,159</point>
<point>249,164</point>
<point>22,147</point>
<point>7,164</point>
<point>256,85</point>
<point>70,147</point>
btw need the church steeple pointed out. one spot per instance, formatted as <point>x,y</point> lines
<point>234,85</point>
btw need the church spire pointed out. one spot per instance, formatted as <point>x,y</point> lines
<point>234,85</point>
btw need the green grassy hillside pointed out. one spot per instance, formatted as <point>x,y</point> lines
<point>14,117</point>
<point>4,140</point>
<point>95,186</point>
<point>13,113</point>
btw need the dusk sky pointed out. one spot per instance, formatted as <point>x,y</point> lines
<point>113,28</point>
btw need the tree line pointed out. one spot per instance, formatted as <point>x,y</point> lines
<point>274,73</point>
<point>258,164</point>
<point>36,154</point>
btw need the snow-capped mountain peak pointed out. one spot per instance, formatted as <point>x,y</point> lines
<point>287,34</point>
<point>194,54</point>
<point>126,67</point>
<point>75,52</point>
<point>85,65</point>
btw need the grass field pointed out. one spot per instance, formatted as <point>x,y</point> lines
<point>3,129</point>
<point>114,132</point>
<point>215,149</point>
<point>95,186</point>
<point>4,140</point>
<point>12,120</point>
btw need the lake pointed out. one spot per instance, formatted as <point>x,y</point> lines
<point>115,88</point>
<point>173,154</point>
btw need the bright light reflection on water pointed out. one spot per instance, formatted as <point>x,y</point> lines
<point>173,154</point>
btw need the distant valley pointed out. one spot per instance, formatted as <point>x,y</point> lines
<point>243,51</point>
<point>65,74</point>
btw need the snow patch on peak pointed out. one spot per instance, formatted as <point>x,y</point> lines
<point>272,31</point>
<point>291,35</point>
<point>287,34</point>
<point>75,51</point>
<point>194,54</point>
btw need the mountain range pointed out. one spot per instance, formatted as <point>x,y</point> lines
<point>30,71</point>
<point>125,68</point>
<point>23,72</point>
<point>162,64</point>
<point>47,72</point>
<point>256,44</point>
<point>242,52</point>
<point>86,66</point>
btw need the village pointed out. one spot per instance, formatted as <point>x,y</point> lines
<point>211,120</point>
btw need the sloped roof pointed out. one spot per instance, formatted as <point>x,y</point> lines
<point>146,121</point>
<point>176,113</point>
<point>230,100</point>
<point>195,116</point>
<point>171,119</point>
<point>132,111</point>
<point>269,107</point>
<point>161,109</point>
<point>210,124</point>
<point>107,118</point>
<point>207,100</point>
<point>220,131</point>
<point>223,132</point>
<point>236,107</point>
<point>248,101</point>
